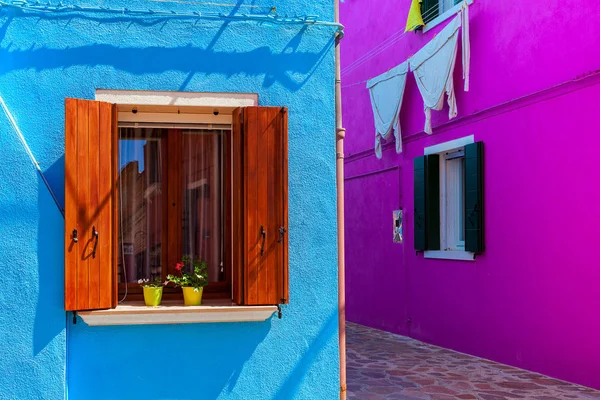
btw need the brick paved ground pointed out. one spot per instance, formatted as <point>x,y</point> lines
<point>384,366</point>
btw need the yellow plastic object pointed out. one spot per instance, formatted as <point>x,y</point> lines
<point>192,297</point>
<point>153,296</point>
<point>415,19</point>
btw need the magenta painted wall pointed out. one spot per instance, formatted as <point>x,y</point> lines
<point>533,298</point>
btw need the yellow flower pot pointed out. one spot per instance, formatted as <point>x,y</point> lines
<point>153,296</point>
<point>192,297</point>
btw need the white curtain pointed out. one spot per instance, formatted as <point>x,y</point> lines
<point>386,92</point>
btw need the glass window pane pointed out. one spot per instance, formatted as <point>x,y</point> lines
<point>455,202</point>
<point>202,200</point>
<point>140,203</point>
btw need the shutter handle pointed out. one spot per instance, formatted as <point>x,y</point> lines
<point>475,209</point>
<point>282,232</point>
<point>418,218</point>
<point>94,235</point>
<point>74,236</point>
<point>263,233</point>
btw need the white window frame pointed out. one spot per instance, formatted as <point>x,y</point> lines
<point>444,15</point>
<point>445,237</point>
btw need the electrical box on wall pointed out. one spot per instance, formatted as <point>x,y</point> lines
<point>398,226</point>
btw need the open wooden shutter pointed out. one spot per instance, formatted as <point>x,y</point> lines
<point>259,191</point>
<point>90,205</point>
<point>427,202</point>
<point>474,197</point>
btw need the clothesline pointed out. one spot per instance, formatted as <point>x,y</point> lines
<point>355,83</point>
<point>433,67</point>
<point>382,46</point>
<point>205,3</point>
<point>375,51</point>
<point>268,18</point>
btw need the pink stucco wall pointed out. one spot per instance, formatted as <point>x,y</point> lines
<point>533,298</point>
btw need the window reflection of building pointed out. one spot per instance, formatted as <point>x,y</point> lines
<point>141,200</point>
<point>140,209</point>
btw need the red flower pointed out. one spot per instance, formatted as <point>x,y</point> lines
<point>178,266</point>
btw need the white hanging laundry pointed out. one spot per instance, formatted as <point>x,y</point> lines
<point>433,67</point>
<point>386,92</point>
<point>466,44</point>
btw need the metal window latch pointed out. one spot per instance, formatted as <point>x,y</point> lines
<point>263,233</point>
<point>279,314</point>
<point>282,232</point>
<point>74,235</point>
<point>94,235</point>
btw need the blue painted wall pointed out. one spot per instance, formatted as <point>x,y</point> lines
<point>47,57</point>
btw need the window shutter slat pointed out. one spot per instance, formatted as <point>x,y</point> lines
<point>90,170</point>
<point>261,205</point>
<point>474,197</point>
<point>432,201</point>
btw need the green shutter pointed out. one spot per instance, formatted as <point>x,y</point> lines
<point>432,190</point>
<point>427,202</point>
<point>419,186</point>
<point>430,9</point>
<point>474,197</point>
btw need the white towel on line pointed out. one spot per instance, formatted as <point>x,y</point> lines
<point>433,67</point>
<point>387,91</point>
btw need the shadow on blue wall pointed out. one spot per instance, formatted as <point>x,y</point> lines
<point>276,67</point>
<point>49,314</point>
<point>160,363</point>
<point>298,374</point>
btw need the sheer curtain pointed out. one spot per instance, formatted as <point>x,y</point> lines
<point>202,199</point>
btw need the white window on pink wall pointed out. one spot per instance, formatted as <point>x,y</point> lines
<point>452,199</point>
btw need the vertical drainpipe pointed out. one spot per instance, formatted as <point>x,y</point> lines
<point>339,137</point>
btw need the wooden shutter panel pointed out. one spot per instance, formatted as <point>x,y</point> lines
<point>90,205</point>
<point>474,197</point>
<point>260,240</point>
<point>427,202</point>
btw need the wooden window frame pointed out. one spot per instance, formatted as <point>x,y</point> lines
<point>260,132</point>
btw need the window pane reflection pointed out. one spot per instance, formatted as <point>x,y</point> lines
<point>140,203</point>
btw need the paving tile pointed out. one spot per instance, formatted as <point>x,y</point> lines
<point>384,366</point>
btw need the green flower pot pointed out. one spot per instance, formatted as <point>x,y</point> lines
<point>153,296</point>
<point>192,297</point>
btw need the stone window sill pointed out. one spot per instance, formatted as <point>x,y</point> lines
<point>450,255</point>
<point>173,312</point>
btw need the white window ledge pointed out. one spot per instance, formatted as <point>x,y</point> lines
<point>450,255</point>
<point>444,16</point>
<point>173,312</point>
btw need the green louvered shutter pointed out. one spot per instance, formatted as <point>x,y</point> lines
<point>430,9</point>
<point>419,186</point>
<point>432,203</point>
<point>474,197</point>
<point>427,202</point>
